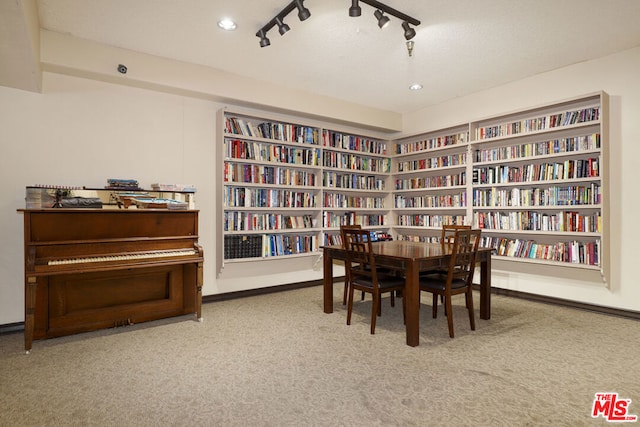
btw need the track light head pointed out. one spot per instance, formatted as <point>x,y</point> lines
<point>264,41</point>
<point>303,12</point>
<point>355,9</point>
<point>383,21</point>
<point>409,32</point>
<point>282,27</point>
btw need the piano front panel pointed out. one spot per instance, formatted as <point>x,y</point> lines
<point>91,301</point>
<point>63,225</point>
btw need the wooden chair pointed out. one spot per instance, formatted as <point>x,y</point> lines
<point>458,279</point>
<point>364,276</point>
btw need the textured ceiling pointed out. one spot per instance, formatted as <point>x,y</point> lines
<point>461,46</point>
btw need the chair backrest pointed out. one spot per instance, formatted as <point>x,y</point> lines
<point>449,231</point>
<point>359,260</point>
<point>347,227</point>
<point>463,255</point>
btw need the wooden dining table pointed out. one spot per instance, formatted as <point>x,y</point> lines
<point>410,258</point>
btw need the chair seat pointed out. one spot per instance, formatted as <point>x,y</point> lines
<point>384,282</point>
<point>439,282</point>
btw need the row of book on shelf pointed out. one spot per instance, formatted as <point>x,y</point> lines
<point>574,144</point>
<point>566,221</point>
<point>268,245</point>
<point>244,221</point>
<point>569,169</point>
<point>549,121</point>
<point>352,181</point>
<point>453,200</point>
<point>432,143</point>
<point>272,130</point>
<point>346,201</point>
<point>570,195</point>
<point>419,183</point>
<point>335,159</point>
<point>432,162</point>
<point>267,198</point>
<point>575,252</point>
<point>264,152</point>
<point>272,175</point>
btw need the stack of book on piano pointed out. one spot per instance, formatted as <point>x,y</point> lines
<point>174,187</point>
<point>122,184</point>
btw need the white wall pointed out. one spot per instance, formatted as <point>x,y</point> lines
<point>82,132</point>
<point>618,76</point>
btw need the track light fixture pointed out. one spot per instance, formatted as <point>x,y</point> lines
<point>381,12</point>
<point>355,9</point>
<point>282,27</point>
<point>303,14</point>
<point>264,41</point>
<point>383,20</point>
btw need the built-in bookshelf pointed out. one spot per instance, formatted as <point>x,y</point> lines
<point>271,188</point>
<point>430,179</point>
<point>539,183</point>
<point>535,182</point>
<point>287,187</point>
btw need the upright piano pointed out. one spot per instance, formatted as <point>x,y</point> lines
<point>88,269</point>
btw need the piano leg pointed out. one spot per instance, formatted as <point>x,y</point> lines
<point>199,282</point>
<point>29,312</point>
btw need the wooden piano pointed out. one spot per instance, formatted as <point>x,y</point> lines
<point>88,269</point>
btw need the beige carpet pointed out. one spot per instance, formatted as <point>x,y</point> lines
<point>278,360</point>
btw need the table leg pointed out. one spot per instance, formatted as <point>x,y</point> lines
<point>485,288</point>
<point>412,307</point>
<point>327,281</point>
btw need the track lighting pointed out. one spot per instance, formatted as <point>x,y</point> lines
<point>303,14</point>
<point>381,12</point>
<point>355,9</point>
<point>383,21</point>
<point>282,27</point>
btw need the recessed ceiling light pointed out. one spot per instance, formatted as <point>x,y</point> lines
<point>415,86</point>
<point>227,24</point>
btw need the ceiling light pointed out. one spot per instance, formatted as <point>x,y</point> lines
<point>303,12</point>
<point>227,24</point>
<point>415,86</point>
<point>282,27</point>
<point>409,32</point>
<point>383,21</point>
<point>355,10</point>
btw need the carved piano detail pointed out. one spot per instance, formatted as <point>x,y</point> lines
<point>88,269</point>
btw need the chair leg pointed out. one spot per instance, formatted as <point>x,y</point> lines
<point>469,298</point>
<point>346,291</point>
<point>393,298</point>
<point>350,305</point>
<point>434,309</point>
<point>449,309</point>
<point>374,309</point>
<point>379,311</point>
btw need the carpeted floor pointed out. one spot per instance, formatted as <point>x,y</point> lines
<point>278,360</point>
